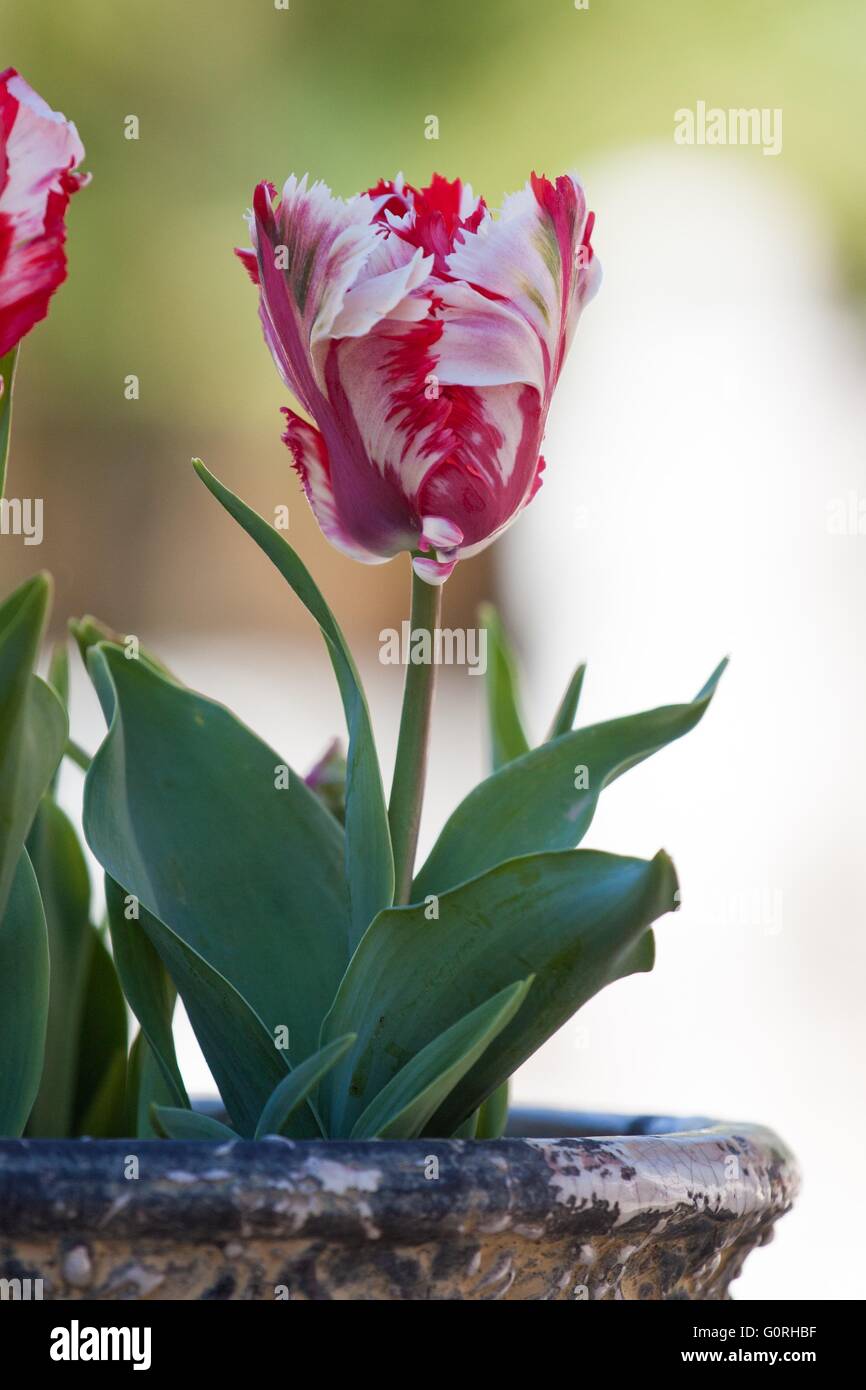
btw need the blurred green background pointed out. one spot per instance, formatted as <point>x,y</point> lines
<point>227,93</point>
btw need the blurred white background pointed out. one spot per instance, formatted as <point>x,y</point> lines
<point>708,428</point>
<point>708,436</point>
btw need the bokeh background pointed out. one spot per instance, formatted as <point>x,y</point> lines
<point>705,492</point>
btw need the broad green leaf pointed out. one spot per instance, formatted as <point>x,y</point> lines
<point>33,723</point>
<point>23,999</point>
<point>58,679</point>
<point>105,1116</point>
<point>573,918</point>
<point>145,1087</point>
<point>493,1114</point>
<point>546,799</point>
<point>293,1090</point>
<point>139,1047</point>
<point>469,1128</point>
<point>102,1043</point>
<point>58,672</point>
<point>238,1048</point>
<point>7,381</point>
<point>187,1124</point>
<point>403,1107</point>
<point>368,855</point>
<point>88,632</point>
<point>64,885</point>
<point>563,720</point>
<point>148,987</point>
<point>186,808</point>
<point>507,739</point>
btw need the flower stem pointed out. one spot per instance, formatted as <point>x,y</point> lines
<point>7,378</point>
<point>410,770</point>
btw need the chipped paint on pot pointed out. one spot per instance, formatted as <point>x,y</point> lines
<point>637,1214</point>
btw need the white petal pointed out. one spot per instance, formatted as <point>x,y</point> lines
<point>377,297</point>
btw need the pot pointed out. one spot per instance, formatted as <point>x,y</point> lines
<point>654,1209</point>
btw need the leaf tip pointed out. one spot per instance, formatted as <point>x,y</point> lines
<point>38,590</point>
<point>707,691</point>
<point>667,881</point>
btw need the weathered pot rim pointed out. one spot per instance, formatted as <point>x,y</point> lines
<point>351,1191</point>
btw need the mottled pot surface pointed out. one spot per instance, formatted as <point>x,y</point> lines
<point>637,1214</point>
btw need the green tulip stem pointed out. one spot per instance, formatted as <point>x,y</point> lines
<point>410,770</point>
<point>7,374</point>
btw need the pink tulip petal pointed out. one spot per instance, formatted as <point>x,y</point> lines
<point>487,342</point>
<point>325,274</point>
<point>378,296</point>
<point>311,463</point>
<point>438,533</point>
<point>532,258</point>
<point>425,337</point>
<point>387,383</point>
<point>484,482</point>
<point>249,262</point>
<point>432,571</point>
<point>39,151</point>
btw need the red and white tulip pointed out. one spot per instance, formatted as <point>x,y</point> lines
<point>39,155</point>
<point>425,338</point>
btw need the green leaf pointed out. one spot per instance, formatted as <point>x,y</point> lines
<point>469,1128</point>
<point>23,998</point>
<point>76,754</point>
<point>572,918</point>
<point>148,987</point>
<point>368,854</point>
<point>546,799</point>
<point>58,679</point>
<point>188,810</point>
<point>58,672</point>
<point>105,1116</point>
<point>7,381</point>
<point>563,720</point>
<point>187,1124</point>
<point>237,1046</point>
<point>100,1084</point>
<point>145,1087</point>
<point>493,1114</point>
<point>405,1104</point>
<point>88,632</point>
<point>293,1090</point>
<point>33,723</point>
<point>507,739</point>
<point>64,885</point>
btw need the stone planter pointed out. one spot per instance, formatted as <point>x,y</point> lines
<point>652,1211</point>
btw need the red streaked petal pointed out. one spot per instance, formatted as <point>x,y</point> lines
<point>487,342</point>
<point>426,338</point>
<point>432,571</point>
<point>438,533</point>
<point>311,463</point>
<point>377,296</point>
<point>529,257</point>
<point>249,262</point>
<point>327,269</point>
<point>484,482</point>
<point>393,195</point>
<point>39,151</point>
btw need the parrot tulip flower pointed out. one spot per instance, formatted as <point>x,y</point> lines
<point>39,154</point>
<point>425,338</point>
